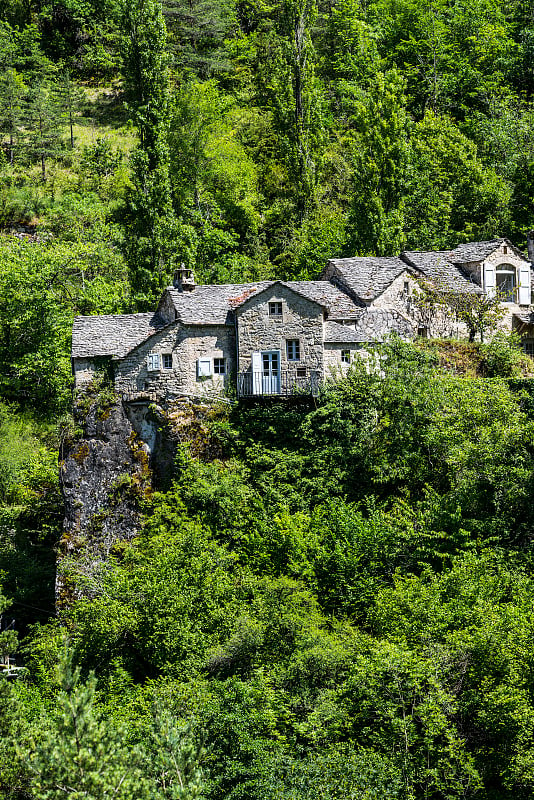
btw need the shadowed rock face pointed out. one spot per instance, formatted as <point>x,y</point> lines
<point>105,474</point>
<point>117,454</point>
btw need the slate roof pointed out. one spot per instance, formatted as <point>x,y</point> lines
<point>478,251</point>
<point>112,334</point>
<point>335,333</point>
<point>368,276</point>
<point>438,267</point>
<point>526,317</point>
<point>214,304</point>
<point>373,324</point>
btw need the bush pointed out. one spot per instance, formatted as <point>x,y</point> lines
<point>502,357</point>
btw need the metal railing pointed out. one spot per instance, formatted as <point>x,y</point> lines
<point>287,383</point>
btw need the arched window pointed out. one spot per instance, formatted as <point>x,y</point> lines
<point>506,280</point>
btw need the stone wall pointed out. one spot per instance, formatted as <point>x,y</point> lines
<point>474,270</point>
<point>333,365</point>
<point>166,308</point>
<point>402,296</point>
<point>84,371</point>
<point>301,319</point>
<point>186,343</point>
<point>397,295</point>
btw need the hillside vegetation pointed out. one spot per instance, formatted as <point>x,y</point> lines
<point>331,598</point>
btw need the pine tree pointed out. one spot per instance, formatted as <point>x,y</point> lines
<point>12,89</point>
<point>299,17</point>
<point>197,32</point>
<point>43,137</point>
<point>8,637</point>
<point>175,756</point>
<point>78,753</point>
<point>69,98</point>
<point>296,23</point>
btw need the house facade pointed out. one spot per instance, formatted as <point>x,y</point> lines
<point>282,337</point>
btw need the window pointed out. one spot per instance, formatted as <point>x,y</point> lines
<point>506,283</point>
<point>528,347</point>
<point>152,362</point>
<point>293,349</point>
<point>275,308</point>
<point>219,366</point>
<point>406,288</point>
<point>301,372</point>
<point>167,360</point>
<point>345,356</point>
<point>505,250</point>
<point>422,332</point>
<point>204,367</point>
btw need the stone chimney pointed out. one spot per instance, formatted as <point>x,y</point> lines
<point>184,279</point>
<point>530,246</point>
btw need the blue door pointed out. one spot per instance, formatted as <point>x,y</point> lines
<point>270,372</point>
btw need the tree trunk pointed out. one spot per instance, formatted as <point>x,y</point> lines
<point>43,166</point>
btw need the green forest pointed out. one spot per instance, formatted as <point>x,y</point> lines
<point>329,598</point>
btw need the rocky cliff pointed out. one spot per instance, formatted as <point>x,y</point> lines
<point>106,474</point>
<point>112,459</point>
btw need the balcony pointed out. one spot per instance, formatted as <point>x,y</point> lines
<point>285,383</point>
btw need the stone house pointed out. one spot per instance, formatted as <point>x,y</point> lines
<point>281,337</point>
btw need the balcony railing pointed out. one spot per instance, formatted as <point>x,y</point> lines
<point>285,384</point>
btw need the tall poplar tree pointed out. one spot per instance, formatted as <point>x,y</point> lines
<point>296,21</point>
<point>149,214</point>
<point>380,161</point>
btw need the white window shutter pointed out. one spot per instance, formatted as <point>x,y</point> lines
<point>256,362</point>
<point>489,279</point>
<point>204,367</point>
<point>524,285</point>
<point>152,362</point>
<point>257,373</point>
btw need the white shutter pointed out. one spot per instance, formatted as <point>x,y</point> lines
<point>489,279</point>
<point>257,372</point>
<point>152,362</point>
<point>204,367</point>
<point>524,285</point>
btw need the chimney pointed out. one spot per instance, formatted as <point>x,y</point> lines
<point>184,279</point>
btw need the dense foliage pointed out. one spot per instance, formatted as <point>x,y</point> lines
<point>332,598</point>
<point>333,594</point>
